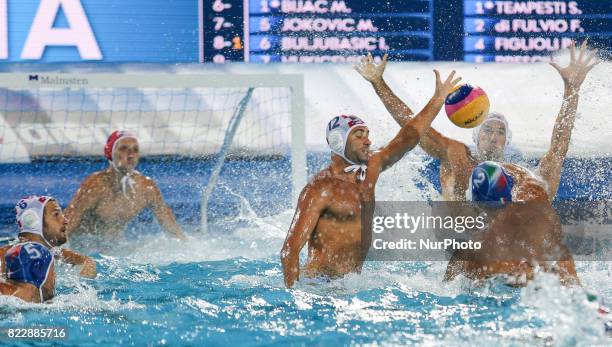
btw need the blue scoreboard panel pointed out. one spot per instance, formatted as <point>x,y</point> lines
<point>313,31</point>
<point>529,31</point>
<point>298,31</point>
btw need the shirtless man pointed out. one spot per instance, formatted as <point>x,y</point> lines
<point>493,136</point>
<point>331,207</point>
<point>28,272</point>
<point>108,200</point>
<point>40,220</point>
<point>520,236</point>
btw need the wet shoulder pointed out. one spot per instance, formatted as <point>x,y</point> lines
<point>319,182</point>
<point>148,186</point>
<point>323,177</point>
<point>531,190</point>
<point>98,175</point>
<point>527,186</point>
<point>95,180</point>
<point>322,182</point>
<point>519,172</point>
<point>144,180</point>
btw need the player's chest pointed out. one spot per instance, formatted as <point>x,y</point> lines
<point>347,199</point>
<point>120,207</point>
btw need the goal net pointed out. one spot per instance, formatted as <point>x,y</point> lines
<point>66,116</point>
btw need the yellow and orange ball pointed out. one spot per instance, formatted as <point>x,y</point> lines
<point>467,106</point>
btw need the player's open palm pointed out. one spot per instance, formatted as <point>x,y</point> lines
<point>370,70</point>
<point>444,88</point>
<point>575,73</point>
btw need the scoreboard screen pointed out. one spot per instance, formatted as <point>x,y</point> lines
<point>314,31</point>
<point>296,31</point>
<point>529,31</point>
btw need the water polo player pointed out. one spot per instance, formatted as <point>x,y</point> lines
<point>521,236</point>
<point>329,212</point>
<point>28,272</point>
<point>493,136</point>
<point>108,200</point>
<point>40,219</point>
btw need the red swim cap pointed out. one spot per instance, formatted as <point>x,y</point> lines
<point>117,135</point>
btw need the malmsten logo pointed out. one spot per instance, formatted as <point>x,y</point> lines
<point>58,80</point>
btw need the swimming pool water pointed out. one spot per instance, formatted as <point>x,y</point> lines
<point>226,288</point>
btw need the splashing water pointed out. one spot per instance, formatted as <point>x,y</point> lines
<point>227,287</point>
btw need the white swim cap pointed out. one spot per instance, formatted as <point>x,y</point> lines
<point>337,132</point>
<point>493,117</point>
<point>30,212</point>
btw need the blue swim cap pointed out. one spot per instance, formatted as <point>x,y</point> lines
<point>491,183</point>
<point>28,262</point>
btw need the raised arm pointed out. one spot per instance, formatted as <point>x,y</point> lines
<point>573,75</point>
<point>433,143</point>
<point>414,129</point>
<point>311,204</point>
<point>373,73</point>
<point>74,258</point>
<point>163,212</point>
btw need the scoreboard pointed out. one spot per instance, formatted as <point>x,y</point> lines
<point>297,31</point>
<point>529,31</point>
<point>313,31</point>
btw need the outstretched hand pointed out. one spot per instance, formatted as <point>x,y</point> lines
<point>575,73</point>
<point>89,269</point>
<point>371,71</point>
<point>444,88</point>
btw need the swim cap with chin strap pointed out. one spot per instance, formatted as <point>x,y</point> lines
<point>493,117</point>
<point>337,132</point>
<point>490,183</point>
<point>30,212</point>
<point>109,152</point>
<point>29,262</point>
